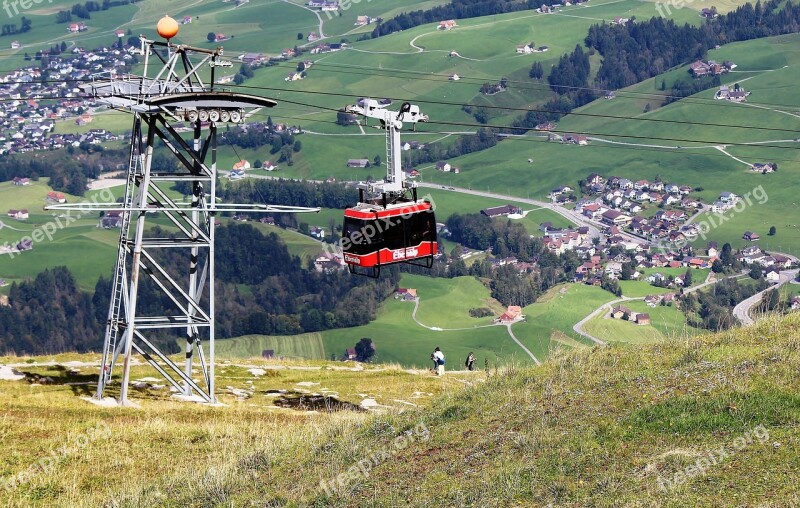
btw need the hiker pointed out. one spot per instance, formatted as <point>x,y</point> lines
<point>470,361</point>
<point>439,357</point>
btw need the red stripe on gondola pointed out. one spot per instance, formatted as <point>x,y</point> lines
<point>389,256</point>
<point>380,214</point>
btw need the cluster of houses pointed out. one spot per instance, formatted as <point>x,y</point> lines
<point>764,167</point>
<point>527,49</point>
<point>324,5</point>
<point>616,201</point>
<point>738,94</point>
<point>239,168</point>
<point>18,214</point>
<point>572,139</point>
<point>623,312</point>
<point>30,108</point>
<point>702,68</point>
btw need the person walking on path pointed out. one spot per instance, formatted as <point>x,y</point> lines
<point>469,364</point>
<point>438,356</point>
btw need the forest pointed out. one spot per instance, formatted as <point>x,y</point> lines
<point>637,51</point>
<point>261,289</point>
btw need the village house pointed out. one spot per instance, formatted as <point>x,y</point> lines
<point>499,211</point>
<point>56,197</point>
<point>241,165</point>
<point>18,214</point>
<point>406,294</point>
<point>623,312</point>
<point>513,313</point>
<point>642,318</point>
<point>357,163</point>
<point>764,167</point>
<point>772,274</point>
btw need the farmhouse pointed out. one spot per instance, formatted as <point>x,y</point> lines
<point>18,214</point>
<point>643,319</point>
<point>363,20</point>
<point>454,77</point>
<point>406,294</point>
<point>111,220</point>
<point>525,49</point>
<point>242,164</point>
<point>499,211</point>
<point>443,166</point>
<point>750,236</point>
<point>15,45</point>
<point>56,197</point>
<point>622,312</point>
<point>21,181</point>
<point>357,163</point>
<point>764,167</point>
<point>448,24</point>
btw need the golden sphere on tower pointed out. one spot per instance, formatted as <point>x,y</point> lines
<point>167,27</point>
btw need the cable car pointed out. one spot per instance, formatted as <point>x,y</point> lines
<point>388,227</point>
<point>377,234</point>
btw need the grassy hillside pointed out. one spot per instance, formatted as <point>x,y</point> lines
<point>707,422</point>
<point>444,321</point>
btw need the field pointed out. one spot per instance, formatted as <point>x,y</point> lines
<point>666,323</point>
<point>549,321</point>
<point>671,142</point>
<point>443,308</point>
<point>601,413</point>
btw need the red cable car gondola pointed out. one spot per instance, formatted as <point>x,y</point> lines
<point>388,227</point>
<point>375,235</point>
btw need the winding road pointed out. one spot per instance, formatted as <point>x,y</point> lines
<point>507,325</point>
<point>742,310</point>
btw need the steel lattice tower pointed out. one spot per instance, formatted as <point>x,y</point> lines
<point>179,91</point>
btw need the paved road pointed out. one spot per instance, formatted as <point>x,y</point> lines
<point>568,214</point>
<point>742,310</point>
<point>578,328</point>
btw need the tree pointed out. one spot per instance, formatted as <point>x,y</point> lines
<point>726,256</point>
<point>772,231</point>
<point>298,145</point>
<point>365,349</point>
<point>717,266</point>
<point>257,163</point>
<point>211,36</point>
<point>755,272</point>
<point>536,72</point>
<point>299,36</point>
<point>377,160</point>
<point>687,278</point>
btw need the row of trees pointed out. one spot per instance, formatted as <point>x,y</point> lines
<point>12,29</point>
<point>66,173</point>
<point>455,9</point>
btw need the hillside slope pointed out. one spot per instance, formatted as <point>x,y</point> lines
<point>710,422</point>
